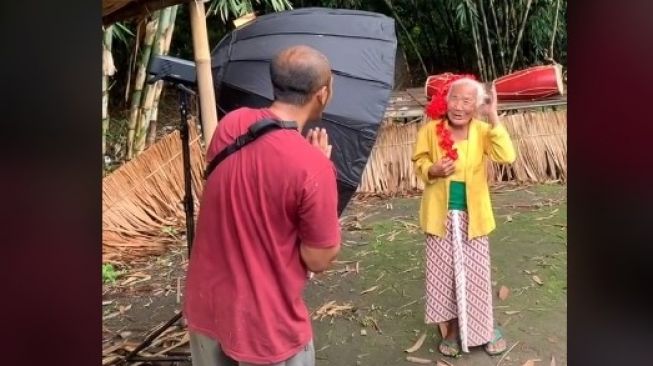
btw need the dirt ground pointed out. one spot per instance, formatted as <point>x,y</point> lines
<point>369,307</point>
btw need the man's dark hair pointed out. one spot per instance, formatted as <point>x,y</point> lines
<point>296,77</point>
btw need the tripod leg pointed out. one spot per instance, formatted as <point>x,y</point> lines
<point>148,340</point>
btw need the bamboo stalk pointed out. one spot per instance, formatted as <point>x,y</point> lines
<point>519,36</point>
<point>499,38</point>
<point>137,94</point>
<point>149,90</point>
<point>477,43</point>
<point>555,28</point>
<point>209,116</point>
<point>153,117</point>
<point>108,69</point>
<point>408,36</point>
<point>506,21</point>
<point>493,68</point>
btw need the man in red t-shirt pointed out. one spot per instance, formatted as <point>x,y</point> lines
<point>268,215</point>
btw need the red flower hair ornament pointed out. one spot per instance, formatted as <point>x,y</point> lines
<point>437,109</point>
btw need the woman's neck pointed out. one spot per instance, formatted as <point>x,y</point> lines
<point>459,132</point>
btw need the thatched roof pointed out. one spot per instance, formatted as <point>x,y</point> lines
<point>117,10</point>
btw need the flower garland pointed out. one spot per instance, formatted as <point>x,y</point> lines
<point>445,141</point>
<point>437,109</point>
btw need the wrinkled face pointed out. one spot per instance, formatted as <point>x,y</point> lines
<point>461,105</point>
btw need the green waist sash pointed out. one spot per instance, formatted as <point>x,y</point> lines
<point>457,196</point>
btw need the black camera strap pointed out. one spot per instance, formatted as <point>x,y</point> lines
<point>254,131</point>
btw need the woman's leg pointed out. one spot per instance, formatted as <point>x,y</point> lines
<point>441,306</point>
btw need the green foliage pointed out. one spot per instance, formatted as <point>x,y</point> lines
<point>109,273</point>
<point>236,8</point>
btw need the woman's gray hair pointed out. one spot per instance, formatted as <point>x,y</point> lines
<point>481,95</point>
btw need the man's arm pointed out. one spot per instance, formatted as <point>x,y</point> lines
<point>318,259</point>
<point>319,228</point>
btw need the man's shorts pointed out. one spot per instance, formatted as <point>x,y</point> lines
<point>207,352</point>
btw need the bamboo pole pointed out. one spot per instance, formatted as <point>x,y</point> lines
<point>519,36</point>
<point>502,53</point>
<point>153,117</point>
<point>493,69</point>
<point>139,82</point>
<point>555,28</point>
<point>149,90</point>
<point>108,69</point>
<point>410,39</point>
<point>477,43</point>
<point>209,116</point>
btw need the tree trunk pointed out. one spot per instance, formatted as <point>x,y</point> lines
<point>139,82</point>
<point>519,36</point>
<point>493,69</point>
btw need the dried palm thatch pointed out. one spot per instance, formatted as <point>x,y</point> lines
<point>540,138</point>
<point>389,169</point>
<point>142,200</point>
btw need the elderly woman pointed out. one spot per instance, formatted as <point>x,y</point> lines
<point>450,156</point>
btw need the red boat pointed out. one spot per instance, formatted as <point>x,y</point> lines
<point>534,83</point>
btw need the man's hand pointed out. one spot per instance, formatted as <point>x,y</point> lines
<point>320,140</point>
<point>443,168</point>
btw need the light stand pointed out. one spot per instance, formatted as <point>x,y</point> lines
<point>189,210</point>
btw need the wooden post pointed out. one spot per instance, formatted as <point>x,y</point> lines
<point>202,53</point>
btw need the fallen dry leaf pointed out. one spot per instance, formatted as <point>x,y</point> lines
<point>538,280</point>
<point>122,309</point>
<point>531,362</point>
<point>423,361</point>
<point>369,290</point>
<point>504,292</point>
<point>417,344</point>
<point>443,362</point>
<point>331,309</point>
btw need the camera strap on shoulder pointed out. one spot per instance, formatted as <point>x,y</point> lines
<point>254,131</point>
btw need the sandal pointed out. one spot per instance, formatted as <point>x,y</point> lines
<point>498,337</point>
<point>449,348</point>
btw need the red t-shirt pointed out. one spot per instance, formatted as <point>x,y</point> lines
<point>245,277</point>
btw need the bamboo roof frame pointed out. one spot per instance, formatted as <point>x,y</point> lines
<point>117,10</point>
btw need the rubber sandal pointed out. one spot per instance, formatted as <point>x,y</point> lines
<point>452,346</point>
<point>497,337</point>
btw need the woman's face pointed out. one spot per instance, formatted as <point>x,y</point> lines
<point>461,105</point>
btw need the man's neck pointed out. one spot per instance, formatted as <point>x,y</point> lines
<point>289,112</point>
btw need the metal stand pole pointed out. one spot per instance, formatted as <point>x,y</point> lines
<point>189,210</point>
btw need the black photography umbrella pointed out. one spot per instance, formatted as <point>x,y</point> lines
<point>361,48</point>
